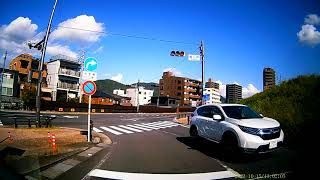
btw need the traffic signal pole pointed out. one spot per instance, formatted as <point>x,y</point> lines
<point>43,53</point>
<point>202,78</point>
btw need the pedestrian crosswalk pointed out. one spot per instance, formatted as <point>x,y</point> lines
<point>135,128</point>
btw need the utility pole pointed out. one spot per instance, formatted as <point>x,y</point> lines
<point>1,77</point>
<point>43,53</point>
<point>158,97</point>
<point>138,96</point>
<point>202,78</point>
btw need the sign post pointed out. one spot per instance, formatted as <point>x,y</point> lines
<point>89,88</point>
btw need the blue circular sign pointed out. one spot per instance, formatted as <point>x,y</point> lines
<point>90,64</point>
<point>89,87</point>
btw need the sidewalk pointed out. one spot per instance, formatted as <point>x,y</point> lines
<point>29,150</point>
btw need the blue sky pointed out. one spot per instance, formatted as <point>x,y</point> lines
<point>241,37</point>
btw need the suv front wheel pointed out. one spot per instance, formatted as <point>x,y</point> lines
<point>229,144</point>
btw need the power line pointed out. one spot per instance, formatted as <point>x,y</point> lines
<point>129,36</point>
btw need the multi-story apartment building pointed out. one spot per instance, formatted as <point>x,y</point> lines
<point>211,84</point>
<point>63,77</point>
<point>9,83</point>
<point>213,94</point>
<point>234,93</point>
<point>185,89</point>
<point>26,65</point>
<point>143,96</point>
<point>269,79</point>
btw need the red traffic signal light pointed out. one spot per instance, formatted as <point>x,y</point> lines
<point>177,53</point>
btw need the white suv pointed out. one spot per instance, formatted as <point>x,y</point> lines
<point>236,126</point>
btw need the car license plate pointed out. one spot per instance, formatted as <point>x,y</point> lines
<point>273,144</point>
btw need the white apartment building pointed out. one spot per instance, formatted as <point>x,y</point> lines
<point>214,95</point>
<point>144,95</point>
<point>119,92</point>
<point>63,77</point>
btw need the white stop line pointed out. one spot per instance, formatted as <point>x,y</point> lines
<point>142,176</point>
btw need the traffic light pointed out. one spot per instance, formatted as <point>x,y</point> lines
<point>177,53</point>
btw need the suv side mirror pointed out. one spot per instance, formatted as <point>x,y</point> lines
<point>217,117</point>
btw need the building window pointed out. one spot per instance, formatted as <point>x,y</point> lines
<point>179,87</point>
<point>139,92</point>
<point>24,64</point>
<point>179,94</point>
<point>145,93</point>
<point>145,98</point>
<point>179,82</point>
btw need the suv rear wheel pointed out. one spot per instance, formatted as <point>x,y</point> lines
<point>193,131</point>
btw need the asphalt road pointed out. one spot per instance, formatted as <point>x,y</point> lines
<point>153,143</point>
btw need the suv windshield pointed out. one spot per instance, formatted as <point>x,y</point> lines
<point>240,112</point>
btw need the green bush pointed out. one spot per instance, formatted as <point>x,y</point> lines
<point>293,103</point>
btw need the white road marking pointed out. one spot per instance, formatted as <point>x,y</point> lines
<point>145,126</point>
<point>162,124</point>
<point>159,126</point>
<point>186,126</point>
<point>130,128</point>
<point>97,130</point>
<point>142,176</point>
<point>71,117</point>
<point>140,127</point>
<point>132,119</point>
<point>110,130</point>
<point>120,129</point>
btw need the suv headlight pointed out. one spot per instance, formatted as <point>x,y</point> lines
<point>249,130</point>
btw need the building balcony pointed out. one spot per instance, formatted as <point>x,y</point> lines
<point>191,90</point>
<point>193,96</point>
<point>69,86</point>
<point>69,72</point>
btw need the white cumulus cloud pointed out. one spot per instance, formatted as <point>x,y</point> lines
<point>18,30</point>
<point>309,35</point>
<point>248,91</point>
<point>312,19</point>
<point>175,71</point>
<point>117,77</point>
<point>80,22</point>
<point>222,88</point>
<point>100,49</point>
<point>57,49</point>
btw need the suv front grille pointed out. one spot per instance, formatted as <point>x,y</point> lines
<point>270,133</point>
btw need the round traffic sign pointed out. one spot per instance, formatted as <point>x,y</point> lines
<point>89,87</point>
<point>90,64</point>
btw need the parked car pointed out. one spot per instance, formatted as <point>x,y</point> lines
<point>236,126</point>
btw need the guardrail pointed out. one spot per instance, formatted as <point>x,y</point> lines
<point>29,119</point>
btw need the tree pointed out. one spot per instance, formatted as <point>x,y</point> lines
<point>28,96</point>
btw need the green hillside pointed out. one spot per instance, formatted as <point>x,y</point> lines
<point>295,103</point>
<point>107,86</point>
